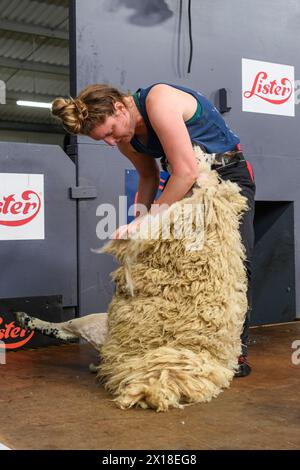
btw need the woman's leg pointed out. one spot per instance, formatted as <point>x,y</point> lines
<point>247,234</point>
<point>241,174</point>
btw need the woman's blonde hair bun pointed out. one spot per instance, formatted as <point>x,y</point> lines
<point>72,113</point>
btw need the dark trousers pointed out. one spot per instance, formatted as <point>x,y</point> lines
<point>241,173</point>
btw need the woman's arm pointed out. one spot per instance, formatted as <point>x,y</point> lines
<point>165,111</point>
<point>148,171</point>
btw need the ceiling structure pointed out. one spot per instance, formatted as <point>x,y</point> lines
<point>34,61</point>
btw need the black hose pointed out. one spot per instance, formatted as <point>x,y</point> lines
<point>190,35</point>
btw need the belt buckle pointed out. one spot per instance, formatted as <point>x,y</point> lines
<point>219,159</point>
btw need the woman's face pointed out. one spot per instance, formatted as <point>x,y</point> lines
<point>116,129</point>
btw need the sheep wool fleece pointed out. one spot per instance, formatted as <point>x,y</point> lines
<point>175,320</point>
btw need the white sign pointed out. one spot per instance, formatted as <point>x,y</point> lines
<point>21,207</point>
<point>268,88</point>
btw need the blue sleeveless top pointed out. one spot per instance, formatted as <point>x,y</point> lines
<point>206,128</point>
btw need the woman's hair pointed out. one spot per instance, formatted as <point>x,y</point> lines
<point>92,106</point>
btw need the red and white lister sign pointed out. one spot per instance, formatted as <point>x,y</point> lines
<point>268,88</point>
<point>21,207</point>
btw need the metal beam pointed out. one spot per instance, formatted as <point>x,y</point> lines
<point>7,25</point>
<point>73,48</point>
<point>21,95</point>
<point>54,2</point>
<point>31,127</point>
<point>33,66</point>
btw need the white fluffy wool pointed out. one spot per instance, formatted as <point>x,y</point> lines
<point>175,320</point>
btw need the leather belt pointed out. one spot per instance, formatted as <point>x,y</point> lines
<point>219,160</point>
